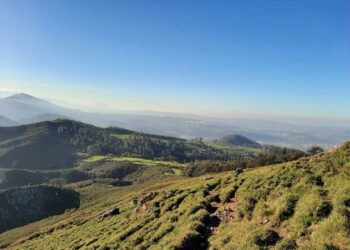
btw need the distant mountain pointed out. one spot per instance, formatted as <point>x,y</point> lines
<point>25,109</point>
<point>237,140</point>
<point>5,122</point>
<point>22,106</point>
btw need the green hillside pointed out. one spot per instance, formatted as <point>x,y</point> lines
<point>62,143</point>
<point>105,169</point>
<point>304,204</point>
<point>63,152</point>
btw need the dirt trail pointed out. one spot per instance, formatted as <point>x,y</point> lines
<point>211,224</point>
<point>228,210</point>
<point>218,212</point>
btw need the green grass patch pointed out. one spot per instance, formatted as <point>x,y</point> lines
<point>145,162</point>
<point>123,137</point>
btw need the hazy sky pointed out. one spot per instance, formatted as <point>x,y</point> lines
<point>226,58</point>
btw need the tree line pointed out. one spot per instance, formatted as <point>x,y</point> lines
<point>269,155</point>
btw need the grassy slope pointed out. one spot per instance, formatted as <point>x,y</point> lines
<point>165,167</point>
<point>98,168</point>
<point>137,170</point>
<point>304,203</point>
<point>24,147</point>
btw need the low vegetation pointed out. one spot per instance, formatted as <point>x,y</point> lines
<point>303,204</point>
<point>267,155</point>
<point>106,169</point>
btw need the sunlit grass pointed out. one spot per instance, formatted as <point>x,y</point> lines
<point>275,207</point>
<point>141,161</point>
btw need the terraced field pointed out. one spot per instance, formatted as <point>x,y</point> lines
<point>297,205</point>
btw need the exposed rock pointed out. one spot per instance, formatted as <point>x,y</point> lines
<point>264,221</point>
<point>142,204</point>
<point>207,178</point>
<point>109,213</point>
<point>214,198</point>
<point>148,197</point>
<point>134,202</point>
<point>239,170</point>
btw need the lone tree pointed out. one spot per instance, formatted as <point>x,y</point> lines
<point>315,150</point>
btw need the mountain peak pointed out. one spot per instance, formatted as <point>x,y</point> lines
<point>22,107</point>
<point>23,96</point>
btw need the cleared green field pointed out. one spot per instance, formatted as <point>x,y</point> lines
<point>174,171</point>
<point>141,161</point>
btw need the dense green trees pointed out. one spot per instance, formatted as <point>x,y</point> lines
<point>98,141</point>
<point>269,155</point>
<point>203,158</point>
<point>315,150</point>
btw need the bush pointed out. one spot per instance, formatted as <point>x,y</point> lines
<point>266,238</point>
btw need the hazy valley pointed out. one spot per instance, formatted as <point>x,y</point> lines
<point>20,109</point>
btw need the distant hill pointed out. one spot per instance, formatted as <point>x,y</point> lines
<point>58,145</point>
<point>6,122</point>
<point>22,106</point>
<point>237,140</point>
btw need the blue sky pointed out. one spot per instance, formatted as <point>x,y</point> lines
<point>224,58</point>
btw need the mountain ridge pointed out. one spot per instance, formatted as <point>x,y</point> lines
<point>23,108</point>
